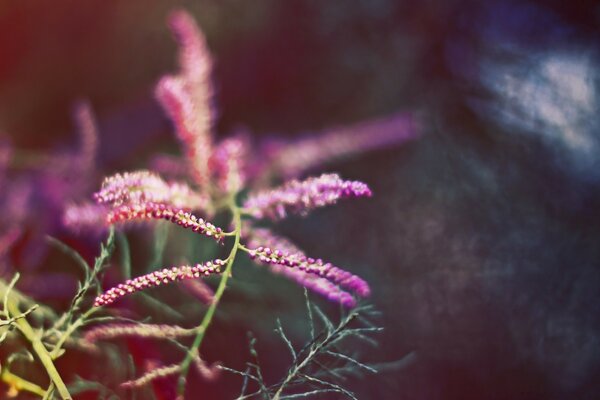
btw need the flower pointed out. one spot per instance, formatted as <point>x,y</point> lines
<point>219,170</point>
<point>158,278</point>
<point>147,211</point>
<point>302,196</point>
<point>228,163</point>
<point>187,96</point>
<point>143,186</point>
<point>154,331</point>
<point>292,158</point>
<point>314,282</point>
<point>86,216</point>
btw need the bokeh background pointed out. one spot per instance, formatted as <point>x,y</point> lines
<point>481,242</point>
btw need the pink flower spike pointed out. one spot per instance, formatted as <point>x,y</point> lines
<point>336,275</point>
<point>195,59</point>
<point>149,211</point>
<point>169,166</point>
<point>187,96</point>
<point>158,278</point>
<point>152,331</point>
<point>302,196</point>
<point>88,133</point>
<point>200,290</point>
<point>309,279</point>
<point>143,186</point>
<point>228,163</point>
<point>291,159</point>
<point>85,217</point>
<point>192,124</point>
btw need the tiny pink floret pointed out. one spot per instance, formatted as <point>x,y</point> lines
<point>157,278</point>
<point>302,196</point>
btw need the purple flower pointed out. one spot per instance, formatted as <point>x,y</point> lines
<point>311,281</point>
<point>228,163</point>
<point>200,290</point>
<point>288,260</point>
<point>187,96</point>
<point>85,217</point>
<point>292,158</point>
<point>111,331</point>
<point>144,186</point>
<point>88,133</point>
<point>302,196</point>
<point>158,278</point>
<point>150,211</point>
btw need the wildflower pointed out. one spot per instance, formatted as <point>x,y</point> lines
<point>228,164</point>
<point>200,290</point>
<point>86,216</point>
<point>169,166</point>
<point>148,211</point>
<point>88,133</point>
<point>153,373</point>
<point>335,275</point>
<point>187,96</point>
<point>292,158</point>
<point>112,331</point>
<point>302,196</point>
<point>158,278</point>
<point>310,281</point>
<point>144,186</point>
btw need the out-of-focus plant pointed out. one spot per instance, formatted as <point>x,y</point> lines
<point>319,363</point>
<point>249,183</point>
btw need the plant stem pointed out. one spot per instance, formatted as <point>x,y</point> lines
<point>69,331</point>
<point>314,350</point>
<point>16,383</point>
<point>41,351</point>
<point>201,329</point>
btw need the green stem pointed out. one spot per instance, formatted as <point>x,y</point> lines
<point>72,328</point>
<point>41,352</point>
<point>201,329</point>
<point>16,383</point>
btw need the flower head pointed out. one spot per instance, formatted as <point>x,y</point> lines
<point>157,278</point>
<point>302,196</point>
<point>187,96</point>
<point>228,164</point>
<point>315,282</point>
<point>87,216</point>
<point>143,186</point>
<point>156,211</point>
<point>111,331</point>
<point>291,159</point>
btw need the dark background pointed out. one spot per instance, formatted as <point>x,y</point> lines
<point>481,242</point>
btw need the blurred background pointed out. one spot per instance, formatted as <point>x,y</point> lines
<point>481,241</point>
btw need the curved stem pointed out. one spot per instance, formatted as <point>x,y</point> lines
<point>40,351</point>
<point>16,383</point>
<point>72,328</point>
<point>201,329</point>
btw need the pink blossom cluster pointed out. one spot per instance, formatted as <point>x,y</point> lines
<point>228,164</point>
<point>149,211</point>
<point>315,282</point>
<point>143,187</point>
<point>218,171</point>
<point>302,196</point>
<point>85,216</point>
<point>187,96</point>
<point>158,278</point>
<point>333,274</point>
<point>291,159</point>
<point>155,331</point>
